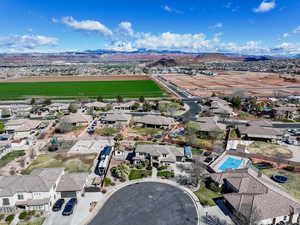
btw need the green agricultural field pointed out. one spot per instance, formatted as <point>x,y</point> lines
<point>107,89</point>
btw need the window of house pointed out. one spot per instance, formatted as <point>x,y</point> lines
<point>20,197</point>
<point>164,155</point>
<point>285,217</point>
<point>5,201</point>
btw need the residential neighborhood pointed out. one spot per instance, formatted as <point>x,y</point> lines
<point>241,165</point>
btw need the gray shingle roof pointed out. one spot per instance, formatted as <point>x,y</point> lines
<point>117,117</point>
<point>77,118</point>
<point>40,180</point>
<point>156,120</point>
<point>72,182</point>
<point>209,124</point>
<point>158,150</point>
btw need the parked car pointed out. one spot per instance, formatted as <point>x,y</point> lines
<point>69,208</point>
<point>3,139</point>
<point>72,201</point>
<point>58,205</point>
<point>207,153</point>
<point>208,159</point>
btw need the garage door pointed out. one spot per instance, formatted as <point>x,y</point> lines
<point>68,194</point>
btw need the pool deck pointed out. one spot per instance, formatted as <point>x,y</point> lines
<point>215,166</point>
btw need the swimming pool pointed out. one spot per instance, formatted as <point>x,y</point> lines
<point>231,163</point>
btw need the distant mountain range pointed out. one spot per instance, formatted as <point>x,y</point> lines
<point>201,56</point>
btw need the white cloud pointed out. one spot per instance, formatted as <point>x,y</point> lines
<point>171,10</point>
<point>198,42</point>
<point>296,30</point>
<point>285,35</point>
<point>121,46</point>
<point>217,25</point>
<point>126,28</point>
<point>26,42</point>
<point>286,49</point>
<point>265,6</point>
<point>86,25</point>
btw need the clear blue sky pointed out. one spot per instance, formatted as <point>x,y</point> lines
<point>242,26</point>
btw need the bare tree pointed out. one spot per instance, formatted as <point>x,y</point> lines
<point>12,171</point>
<point>251,215</point>
<point>32,153</point>
<point>22,162</point>
<point>198,172</point>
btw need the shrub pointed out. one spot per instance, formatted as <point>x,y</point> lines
<point>149,167</point>
<point>162,168</point>
<point>214,187</point>
<point>140,166</point>
<point>23,215</point>
<point>122,179</point>
<point>9,218</point>
<point>289,168</point>
<point>166,174</point>
<point>2,216</point>
<point>107,182</point>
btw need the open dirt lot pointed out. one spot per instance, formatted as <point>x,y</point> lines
<point>78,78</point>
<point>229,82</point>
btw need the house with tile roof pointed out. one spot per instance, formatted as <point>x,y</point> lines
<point>252,196</point>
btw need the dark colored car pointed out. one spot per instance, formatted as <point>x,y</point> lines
<point>69,208</point>
<point>72,201</point>
<point>207,153</point>
<point>208,159</point>
<point>58,205</point>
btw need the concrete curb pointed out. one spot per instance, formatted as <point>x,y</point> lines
<point>194,198</point>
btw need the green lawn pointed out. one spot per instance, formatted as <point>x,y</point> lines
<point>106,89</point>
<point>166,174</point>
<point>71,162</point>
<point>139,174</point>
<point>292,186</point>
<point>146,131</point>
<point>206,195</point>
<point>108,131</point>
<point>10,157</point>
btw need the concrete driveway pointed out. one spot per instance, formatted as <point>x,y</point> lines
<point>56,218</point>
<point>81,211</point>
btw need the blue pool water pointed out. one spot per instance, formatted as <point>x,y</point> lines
<point>230,163</point>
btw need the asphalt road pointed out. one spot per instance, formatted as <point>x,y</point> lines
<point>193,111</point>
<point>148,203</point>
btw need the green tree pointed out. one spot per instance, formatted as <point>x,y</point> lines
<point>73,108</point>
<point>142,99</point>
<point>119,137</point>
<point>146,107</point>
<point>100,99</point>
<point>120,99</point>
<point>2,127</point>
<point>191,132</point>
<point>47,101</point>
<point>32,101</point>
<point>135,106</point>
